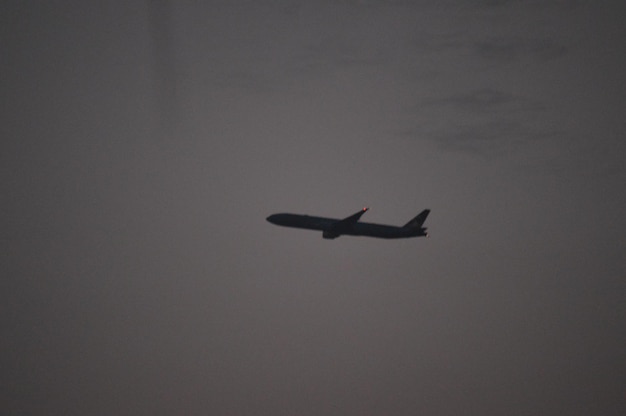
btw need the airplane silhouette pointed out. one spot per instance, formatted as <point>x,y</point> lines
<point>333,228</point>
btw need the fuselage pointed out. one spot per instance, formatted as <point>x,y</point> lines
<point>328,226</point>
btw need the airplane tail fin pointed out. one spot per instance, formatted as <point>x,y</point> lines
<point>418,221</point>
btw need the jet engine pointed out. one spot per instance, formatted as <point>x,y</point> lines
<point>329,235</point>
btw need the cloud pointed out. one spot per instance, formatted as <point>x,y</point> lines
<point>485,137</point>
<point>484,99</point>
<point>482,120</point>
<point>503,48</point>
<point>514,48</point>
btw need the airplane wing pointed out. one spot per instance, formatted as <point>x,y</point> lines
<point>342,225</point>
<point>353,218</point>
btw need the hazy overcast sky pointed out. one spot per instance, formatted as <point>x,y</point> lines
<point>145,142</point>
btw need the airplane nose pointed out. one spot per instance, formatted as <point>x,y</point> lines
<point>272,219</point>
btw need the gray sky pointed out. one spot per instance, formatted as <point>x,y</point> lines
<point>144,143</point>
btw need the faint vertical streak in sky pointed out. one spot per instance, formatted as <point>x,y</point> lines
<point>164,61</point>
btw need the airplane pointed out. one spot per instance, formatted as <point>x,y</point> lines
<point>332,228</point>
